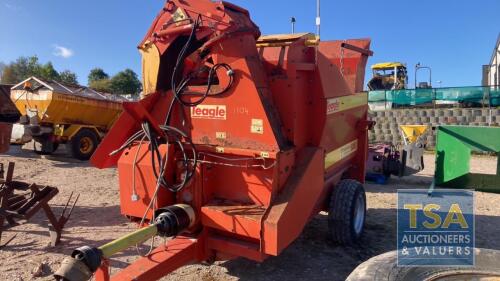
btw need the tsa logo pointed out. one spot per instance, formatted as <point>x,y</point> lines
<point>436,229</point>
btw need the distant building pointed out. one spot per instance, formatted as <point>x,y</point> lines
<point>491,72</point>
<point>132,97</point>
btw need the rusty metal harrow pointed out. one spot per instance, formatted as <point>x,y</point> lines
<point>20,201</point>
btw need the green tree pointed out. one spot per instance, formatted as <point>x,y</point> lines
<point>97,74</point>
<point>125,83</point>
<point>68,77</point>
<point>103,85</point>
<point>25,67</point>
<point>9,75</point>
<point>46,72</point>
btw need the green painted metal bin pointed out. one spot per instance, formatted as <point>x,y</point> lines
<point>454,147</point>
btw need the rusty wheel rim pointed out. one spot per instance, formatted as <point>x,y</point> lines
<point>86,145</point>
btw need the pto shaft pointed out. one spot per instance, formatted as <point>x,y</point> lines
<point>84,261</point>
<point>137,237</point>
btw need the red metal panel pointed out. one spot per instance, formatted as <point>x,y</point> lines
<point>294,206</point>
<point>244,185</point>
<point>244,220</point>
<point>176,253</point>
<point>235,248</point>
<point>243,109</point>
<point>144,182</point>
<point>341,71</point>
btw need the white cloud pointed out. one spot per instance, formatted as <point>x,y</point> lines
<point>11,6</point>
<point>60,51</point>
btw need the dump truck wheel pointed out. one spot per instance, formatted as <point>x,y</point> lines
<point>45,147</point>
<point>83,144</point>
<point>384,268</point>
<point>346,216</point>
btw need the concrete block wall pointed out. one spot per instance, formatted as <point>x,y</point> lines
<point>388,121</point>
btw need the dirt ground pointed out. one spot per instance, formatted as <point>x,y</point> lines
<point>97,220</point>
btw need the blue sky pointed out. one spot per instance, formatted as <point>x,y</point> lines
<point>454,37</point>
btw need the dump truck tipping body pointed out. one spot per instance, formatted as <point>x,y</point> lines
<point>54,113</point>
<point>58,104</point>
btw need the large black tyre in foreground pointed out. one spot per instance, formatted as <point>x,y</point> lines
<point>384,268</point>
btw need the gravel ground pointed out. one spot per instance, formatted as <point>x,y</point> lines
<point>97,220</point>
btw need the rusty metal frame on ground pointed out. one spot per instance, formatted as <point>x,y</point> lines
<point>21,201</point>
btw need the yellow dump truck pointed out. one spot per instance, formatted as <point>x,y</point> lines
<point>55,113</point>
<point>388,76</point>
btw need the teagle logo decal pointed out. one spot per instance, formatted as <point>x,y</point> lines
<point>333,106</point>
<point>215,112</point>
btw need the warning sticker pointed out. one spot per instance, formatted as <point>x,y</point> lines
<point>221,135</point>
<point>179,16</point>
<point>257,126</point>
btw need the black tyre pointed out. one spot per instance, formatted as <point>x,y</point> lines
<point>384,268</point>
<point>44,147</point>
<point>83,144</point>
<point>347,212</point>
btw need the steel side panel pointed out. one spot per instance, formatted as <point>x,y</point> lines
<point>294,206</point>
<point>242,221</point>
<point>245,185</point>
<point>235,248</point>
<point>145,183</point>
<point>247,122</point>
<point>342,126</point>
<point>332,61</point>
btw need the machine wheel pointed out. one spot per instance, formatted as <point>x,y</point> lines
<point>83,144</point>
<point>45,147</point>
<point>346,216</point>
<point>384,268</point>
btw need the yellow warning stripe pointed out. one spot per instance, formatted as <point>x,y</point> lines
<point>335,105</point>
<point>341,153</point>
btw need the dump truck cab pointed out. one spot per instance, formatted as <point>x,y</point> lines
<point>389,76</point>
